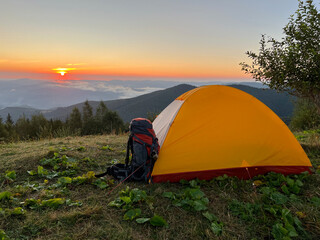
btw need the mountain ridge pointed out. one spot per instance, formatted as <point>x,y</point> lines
<point>155,102</point>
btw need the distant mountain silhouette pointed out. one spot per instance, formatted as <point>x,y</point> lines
<point>17,112</point>
<point>130,108</point>
<point>155,102</point>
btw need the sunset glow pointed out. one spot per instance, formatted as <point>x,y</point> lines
<point>62,71</point>
<point>135,40</point>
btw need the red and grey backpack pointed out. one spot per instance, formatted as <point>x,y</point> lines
<point>144,148</point>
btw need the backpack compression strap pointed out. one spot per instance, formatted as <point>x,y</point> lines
<point>129,147</point>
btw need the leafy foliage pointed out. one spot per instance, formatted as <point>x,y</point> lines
<point>132,214</point>
<point>18,211</point>
<point>305,116</point>
<point>276,191</point>
<point>245,211</point>
<point>3,235</point>
<point>189,199</point>
<point>52,203</point>
<point>292,64</point>
<point>192,198</point>
<point>158,221</point>
<point>5,196</point>
<point>270,206</point>
<point>107,148</point>
<point>128,199</point>
<point>10,175</point>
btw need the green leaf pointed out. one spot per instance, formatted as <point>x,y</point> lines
<point>53,203</point>
<point>11,175</point>
<point>56,167</point>
<point>17,211</point>
<point>65,180</point>
<point>222,178</point>
<point>116,203</point>
<point>294,198</point>
<point>158,221</point>
<point>80,180</point>
<point>142,220</point>
<point>137,195</point>
<point>195,193</point>
<point>290,181</point>
<point>102,185</point>
<point>285,212</point>
<point>295,189</point>
<point>315,201</point>
<point>3,235</point>
<point>32,173</point>
<point>115,161</point>
<point>285,189</point>
<point>132,214</point>
<point>70,203</point>
<point>299,183</point>
<point>169,195</point>
<point>272,210</point>
<point>5,196</point>
<point>184,182</point>
<point>31,203</point>
<point>298,224</point>
<point>125,192</point>
<point>216,228</point>
<point>291,231</point>
<point>107,148</point>
<point>193,183</point>
<point>42,171</point>
<point>211,217</point>
<point>199,205</point>
<point>81,149</point>
<point>52,175</point>
<point>266,190</point>
<point>278,231</point>
<point>278,198</point>
<point>127,200</point>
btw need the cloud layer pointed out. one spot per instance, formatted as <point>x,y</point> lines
<point>43,94</point>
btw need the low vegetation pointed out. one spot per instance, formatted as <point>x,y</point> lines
<point>48,190</point>
<point>305,116</point>
<point>38,127</point>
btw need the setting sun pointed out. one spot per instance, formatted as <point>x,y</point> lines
<point>62,71</point>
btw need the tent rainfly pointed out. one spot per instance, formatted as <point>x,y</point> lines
<point>216,130</point>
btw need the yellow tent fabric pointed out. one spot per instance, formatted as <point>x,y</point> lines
<point>215,130</point>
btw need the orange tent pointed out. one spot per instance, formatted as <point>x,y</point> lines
<point>215,130</point>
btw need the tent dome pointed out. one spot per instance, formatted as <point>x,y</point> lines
<point>215,130</point>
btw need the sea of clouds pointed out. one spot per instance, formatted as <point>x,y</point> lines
<point>46,94</point>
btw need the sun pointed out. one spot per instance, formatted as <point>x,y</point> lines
<point>62,71</point>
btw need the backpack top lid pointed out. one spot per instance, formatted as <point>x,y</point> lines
<point>142,131</point>
<point>140,125</point>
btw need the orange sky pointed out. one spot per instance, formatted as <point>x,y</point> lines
<point>156,69</point>
<point>106,40</point>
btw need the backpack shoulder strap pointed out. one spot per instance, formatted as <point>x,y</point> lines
<point>129,147</point>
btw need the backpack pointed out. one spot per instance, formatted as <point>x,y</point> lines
<point>144,147</point>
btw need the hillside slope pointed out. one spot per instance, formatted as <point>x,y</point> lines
<point>133,107</point>
<point>55,196</point>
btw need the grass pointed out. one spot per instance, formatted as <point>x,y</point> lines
<point>238,209</point>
